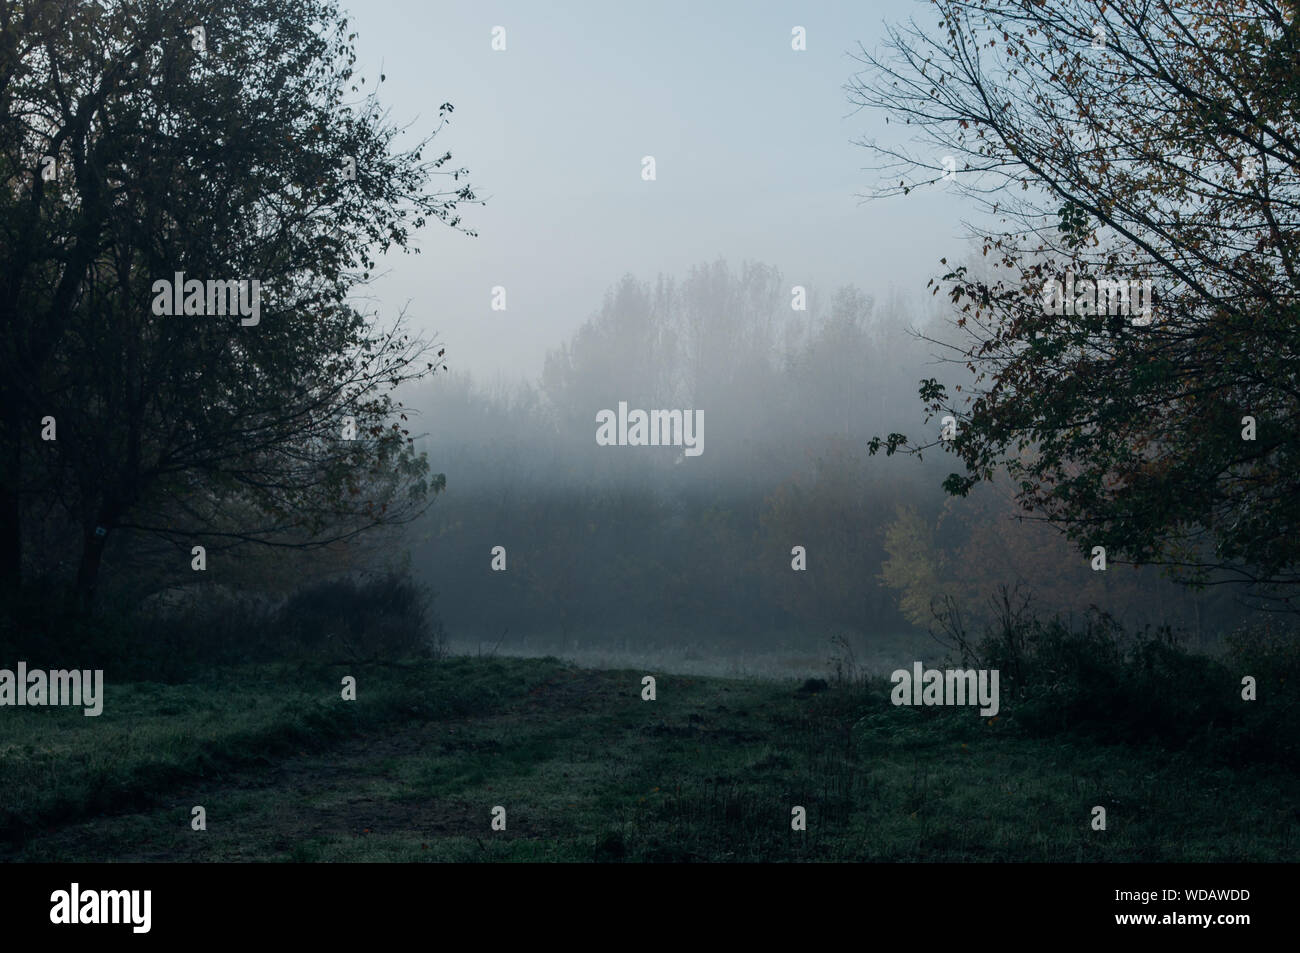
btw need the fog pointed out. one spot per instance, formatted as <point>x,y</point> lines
<point>777,544</point>
<point>754,146</point>
<point>752,283</point>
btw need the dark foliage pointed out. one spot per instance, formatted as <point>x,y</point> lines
<point>1096,679</point>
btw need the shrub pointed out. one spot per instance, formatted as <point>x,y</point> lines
<point>172,637</point>
<point>1094,678</point>
<point>382,618</point>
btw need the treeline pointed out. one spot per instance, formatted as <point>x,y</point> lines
<point>648,543</point>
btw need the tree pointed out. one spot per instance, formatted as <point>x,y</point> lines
<point>916,567</point>
<point>828,514</point>
<point>1147,141</point>
<point>980,546</point>
<point>225,142</point>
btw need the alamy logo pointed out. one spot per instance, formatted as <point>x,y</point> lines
<point>655,428</point>
<point>58,687</point>
<point>929,686</point>
<point>178,296</point>
<point>103,906</point>
<point>1099,296</point>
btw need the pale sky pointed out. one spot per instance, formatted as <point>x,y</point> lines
<point>753,144</point>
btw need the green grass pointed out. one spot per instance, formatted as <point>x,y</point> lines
<point>587,771</point>
<point>57,764</point>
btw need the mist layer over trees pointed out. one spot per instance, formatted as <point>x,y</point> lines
<point>650,545</point>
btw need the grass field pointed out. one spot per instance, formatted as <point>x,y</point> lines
<point>588,771</point>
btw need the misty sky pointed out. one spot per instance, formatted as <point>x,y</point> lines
<point>753,144</point>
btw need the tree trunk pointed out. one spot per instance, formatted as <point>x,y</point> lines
<point>92,552</point>
<point>11,539</point>
<point>11,542</point>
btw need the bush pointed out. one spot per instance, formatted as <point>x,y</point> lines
<point>384,618</point>
<point>170,639</point>
<point>1095,678</point>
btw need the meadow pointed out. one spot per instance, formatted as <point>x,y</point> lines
<point>286,770</point>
